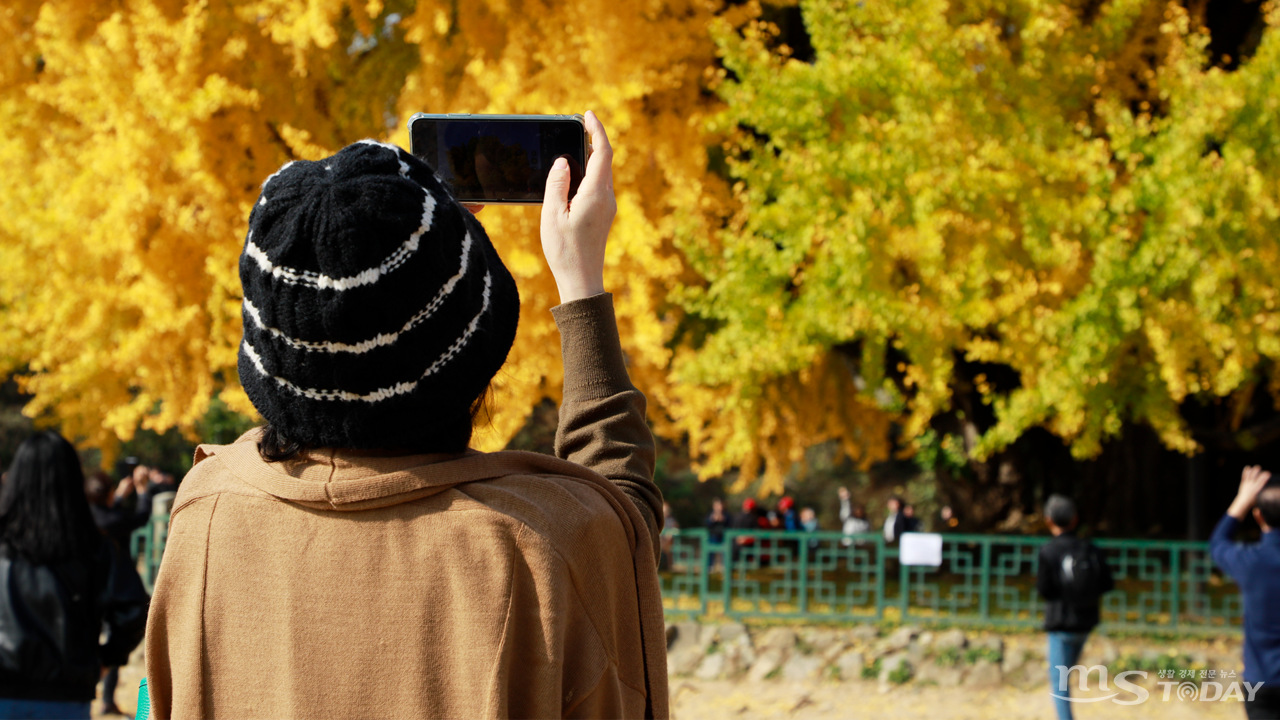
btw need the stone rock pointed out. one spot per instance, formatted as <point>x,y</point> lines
<point>765,664</point>
<point>712,667</point>
<point>1013,661</point>
<point>903,635</point>
<point>850,664</point>
<point>738,656</point>
<point>729,632</point>
<point>821,640</point>
<point>1030,675</point>
<point>681,634</point>
<point>949,677</point>
<point>777,638</point>
<point>893,662</point>
<point>892,665</point>
<point>992,642</point>
<point>864,633</point>
<point>941,676</point>
<point>926,639</point>
<point>834,651</point>
<point>983,674</point>
<point>898,640</point>
<point>915,653</point>
<point>953,638</point>
<point>685,650</point>
<point>802,668</point>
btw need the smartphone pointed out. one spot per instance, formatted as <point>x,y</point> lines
<point>499,159</point>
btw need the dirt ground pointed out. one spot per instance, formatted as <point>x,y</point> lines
<point>833,700</point>
<point>699,700</point>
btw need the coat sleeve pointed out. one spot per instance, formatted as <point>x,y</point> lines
<point>602,416</point>
<point>124,602</point>
<point>1227,554</point>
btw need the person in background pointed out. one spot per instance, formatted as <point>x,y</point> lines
<point>117,522</point>
<point>748,519</point>
<point>160,482</point>
<point>790,519</point>
<point>132,501</point>
<point>669,522</point>
<point>1256,569</point>
<point>770,519</point>
<point>947,520</point>
<point>1073,576</point>
<point>910,523</point>
<point>808,520</point>
<point>63,587</point>
<point>716,523</point>
<point>895,522</point>
<point>809,524</point>
<point>853,517</point>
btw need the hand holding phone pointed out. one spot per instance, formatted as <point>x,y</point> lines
<point>575,232</point>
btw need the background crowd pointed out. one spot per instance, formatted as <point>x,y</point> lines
<point>72,605</point>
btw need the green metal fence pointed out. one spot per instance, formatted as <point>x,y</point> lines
<point>983,579</point>
<point>146,546</point>
<point>831,577</point>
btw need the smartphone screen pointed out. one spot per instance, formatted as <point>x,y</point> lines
<point>498,159</point>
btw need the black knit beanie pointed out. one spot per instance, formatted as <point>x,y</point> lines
<point>376,310</point>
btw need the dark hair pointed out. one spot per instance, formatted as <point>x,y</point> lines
<point>1060,510</point>
<point>1269,505</point>
<point>446,434</point>
<point>44,514</point>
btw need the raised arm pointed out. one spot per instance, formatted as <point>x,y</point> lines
<point>602,417</point>
<point>1222,546</point>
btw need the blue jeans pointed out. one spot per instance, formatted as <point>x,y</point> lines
<point>1064,649</point>
<point>43,709</point>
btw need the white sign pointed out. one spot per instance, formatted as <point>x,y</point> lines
<point>920,549</point>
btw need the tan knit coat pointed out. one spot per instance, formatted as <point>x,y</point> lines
<point>360,584</point>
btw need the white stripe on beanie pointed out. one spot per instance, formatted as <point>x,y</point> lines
<point>378,340</point>
<point>386,392</point>
<point>365,277</point>
<point>272,176</point>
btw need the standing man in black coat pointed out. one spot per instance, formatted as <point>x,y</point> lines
<point>1072,578</point>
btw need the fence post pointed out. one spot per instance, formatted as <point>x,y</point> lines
<point>803,548</point>
<point>730,543</point>
<point>880,551</point>
<point>1175,589</point>
<point>904,587</point>
<point>985,602</point>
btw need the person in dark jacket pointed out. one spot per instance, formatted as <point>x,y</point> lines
<point>895,523</point>
<point>1073,576</point>
<point>748,519</point>
<point>1256,569</point>
<point>716,523</point>
<point>117,521</point>
<point>61,585</point>
<point>113,518</point>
